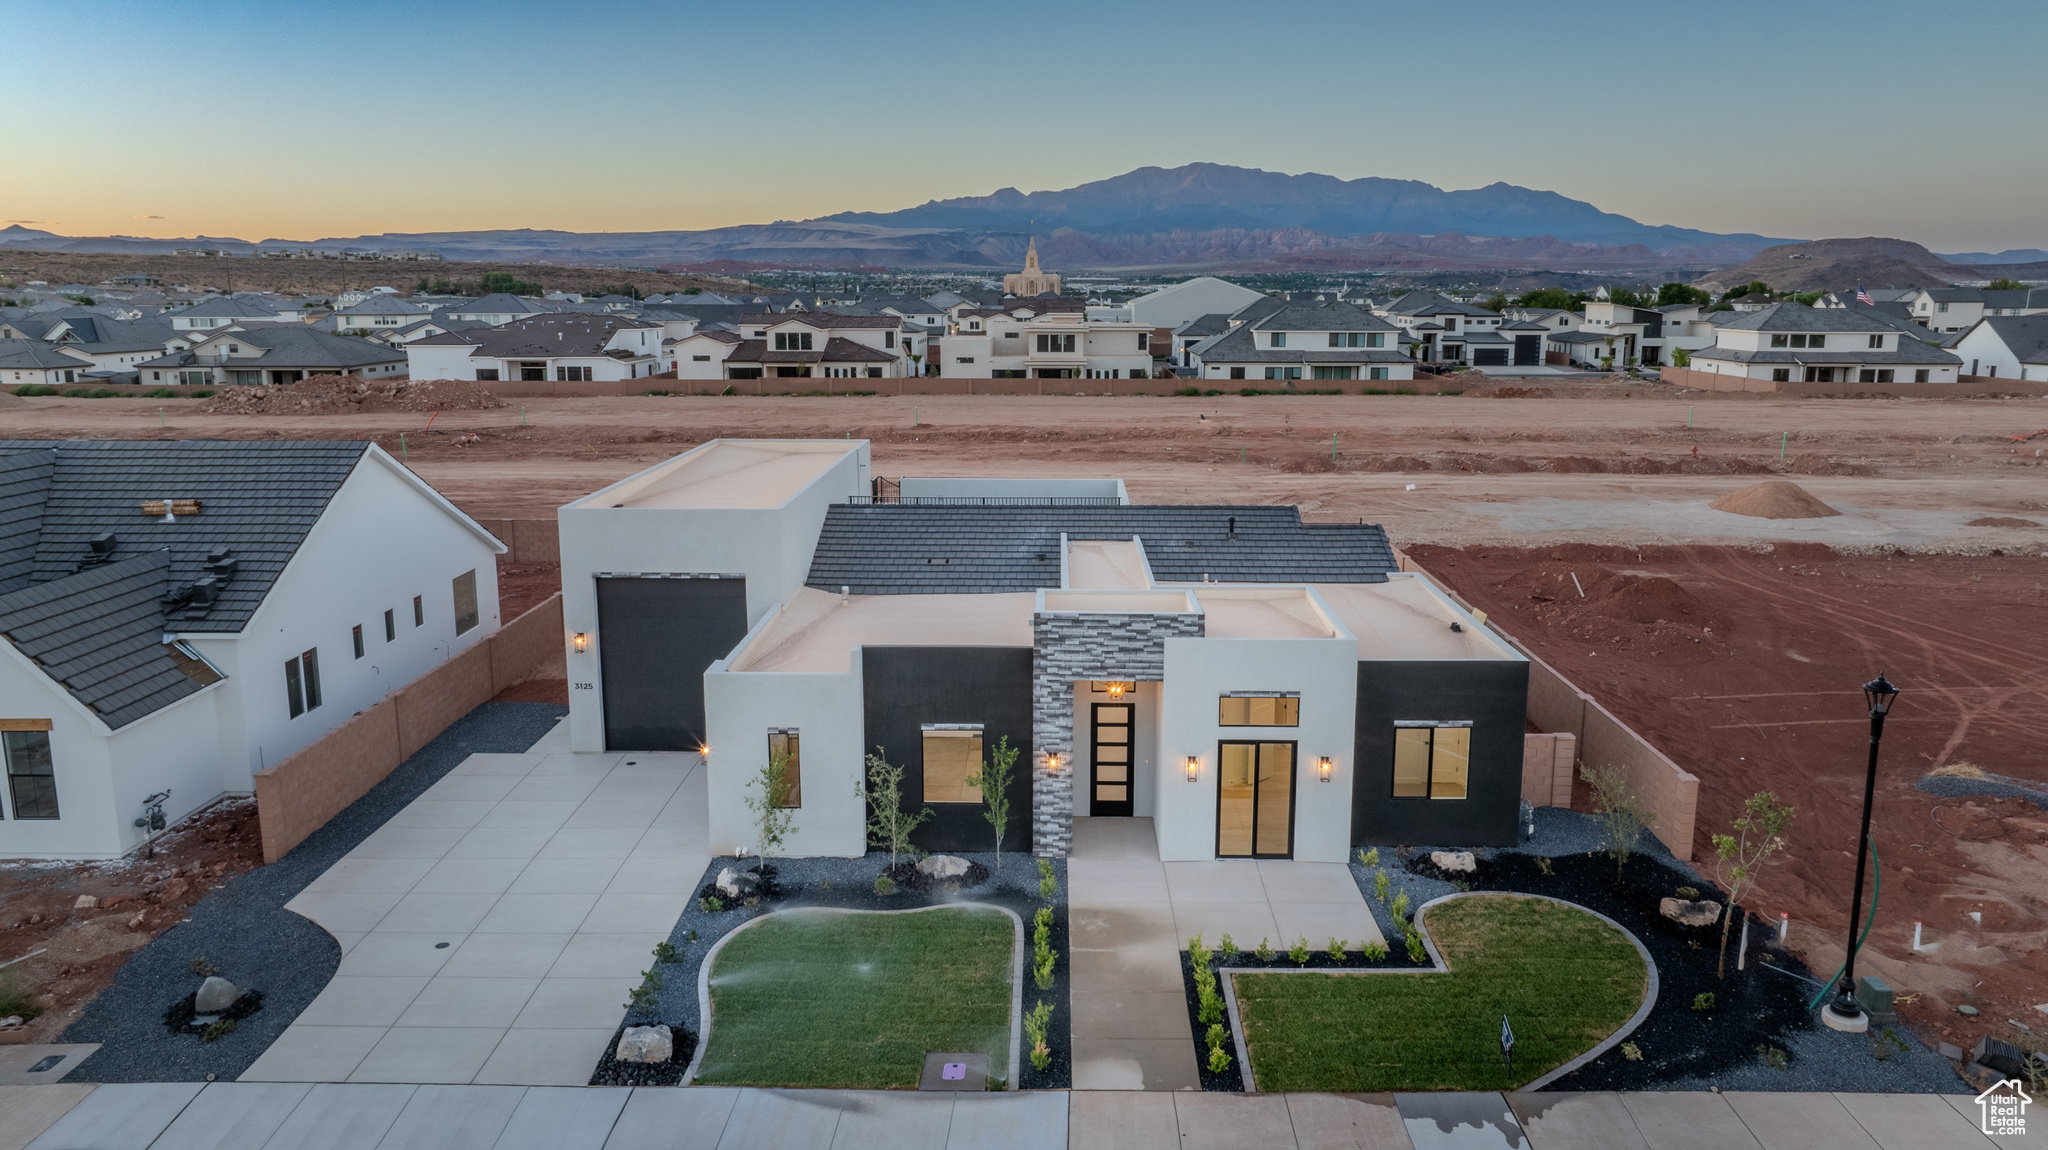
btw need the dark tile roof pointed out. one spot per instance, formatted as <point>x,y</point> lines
<point>1432,303</point>
<point>541,336</point>
<point>2026,336</point>
<point>258,500</point>
<point>824,319</point>
<point>1791,316</point>
<point>99,633</point>
<point>1325,316</point>
<point>34,354</point>
<point>889,549</point>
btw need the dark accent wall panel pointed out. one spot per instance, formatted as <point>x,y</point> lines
<point>1494,695</point>
<point>655,638</point>
<point>903,688</point>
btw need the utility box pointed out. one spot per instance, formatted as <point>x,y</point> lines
<point>1876,996</point>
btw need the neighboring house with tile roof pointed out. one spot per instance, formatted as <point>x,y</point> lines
<point>1791,343</point>
<point>379,311</point>
<point>1049,337</point>
<point>1277,339</point>
<point>797,345</point>
<point>1450,331</point>
<point>568,346</point>
<point>1253,685</point>
<point>271,354</point>
<point>26,361</point>
<point>229,311</point>
<point>500,308</point>
<point>180,614</point>
<point>115,347</point>
<point>2005,347</point>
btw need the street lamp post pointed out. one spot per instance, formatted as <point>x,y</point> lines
<point>1845,1013</point>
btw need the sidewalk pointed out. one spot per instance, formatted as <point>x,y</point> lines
<point>1128,917</point>
<point>299,1116</point>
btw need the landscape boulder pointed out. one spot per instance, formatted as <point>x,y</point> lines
<point>737,884</point>
<point>1454,862</point>
<point>1702,912</point>
<point>85,902</point>
<point>646,1044</point>
<point>942,866</point>
<point>215,995</point>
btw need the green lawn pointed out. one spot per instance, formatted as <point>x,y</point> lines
<point>828,999</point>
<point>1565,979</point>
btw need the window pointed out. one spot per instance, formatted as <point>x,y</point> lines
<point>1812,341</point>
<point>390,626</point>
<point>1055,343</point>
<point>1874,375</point>
<point>1010,335</point>
<point>1941,307</point>
<point>1144,341</point>
<point>1432,760</point>
<point>1450,323</point>
<point>1283,373</point>
<point>1781,375</point>
<point>1258,711</point>
<point>1786,341</point>
<point>31,779</point>
<point>963,359</point>
<point>465,601</point>
<point>888,339</point>
<point>700,359</point>
<point>573,374</point>
<point>951,754</point>
<point>355,634</point>
<point>1279,339</point>
<point>1237,373</point>
<point>1379,373</point>
<point>784,742</point>
<point>1336,373</point>
<point>419,611</point>
<point>1920,376</point>
<point>487,374</point>
<point>792,341</point>
<point>302,682</point>
<point>1877,342</point>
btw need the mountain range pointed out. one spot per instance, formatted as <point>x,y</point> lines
<point>1198,216</point>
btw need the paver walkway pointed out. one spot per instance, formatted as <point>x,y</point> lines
<point>491,930</point>
<point>300,1116</point>
<point>1129,915</point>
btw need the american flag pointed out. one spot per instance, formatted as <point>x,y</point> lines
<point>1864,296</point>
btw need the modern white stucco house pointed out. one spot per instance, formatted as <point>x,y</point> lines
<point>1176,304</point>
<point>1257,686</point>
<point>1047,338</point>
<point>1277,339</point>
<point>2007,347</point>
<point>1792,343</point>
<point>180,614</point>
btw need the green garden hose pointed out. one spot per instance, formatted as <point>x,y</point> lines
<point>1876,884</point>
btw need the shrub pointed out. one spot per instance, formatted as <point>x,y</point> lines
<point>1375,391</point>
<point>1199,953</point>
<point>730,390</point>
<point>1048,882</point>
<point>665,951</point>
<point>884,884</point>
<point>35,389</point>
<point>1375,951</point>
<point>1416,951</point>
<point>1688,893</point>
<point>1381,884</point>
<point>642,996</point>
<point>711,904</point>
<point>1618,805</point>
<point>1249,391</point>
<point>1632,1052</point>
<point>1399,907</point>
<point>158,393</point>
<point>1543,864</point>
<point>1369,858</point>
<point>1227,948</point>
<point>1041,948</point>
<point>1265,951</point>
<point>1215,1036</point>
<point>1336,951</point>
<point>1041,972</point>
<point>1191,391</point>
<point>1036,1022</point>
<point>1219,1060</point>
<point>1704,1000</point>
<point>1212,391</point>
<point>218,1029</point>
<point>1299,951</point>
<point>1773,1057</point>
<point>201,393</point>
<point>1209,1004</point>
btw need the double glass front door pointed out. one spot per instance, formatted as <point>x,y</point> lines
<point>1255,800</point>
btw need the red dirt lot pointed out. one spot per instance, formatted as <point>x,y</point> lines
<point>1744,665</point>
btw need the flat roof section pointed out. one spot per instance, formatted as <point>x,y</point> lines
<point>1406,618</point>
<point>1105,565</point>
<point>814,632</point>
<point>740,474</point>
<point>1261,613</point>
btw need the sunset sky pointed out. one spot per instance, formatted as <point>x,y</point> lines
<point>304,121</point>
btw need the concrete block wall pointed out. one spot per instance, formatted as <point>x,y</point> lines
<point>297,795</point>
<point>1547,762</point>
<point>1067,648</point>
<point>530,540</point>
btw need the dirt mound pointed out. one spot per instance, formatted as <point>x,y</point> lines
<point>1655,600</point>
<point>1773,499</point>
<point>1520,393</point>
<point>2001,521</point>
<point>344,394</point>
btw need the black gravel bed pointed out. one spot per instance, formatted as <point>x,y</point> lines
<point>179,1018</point>
<point>1997,787</point>
<point>243,929</point>
<point>1755,1011</point>
<point>611,1072</point>
<point>1232,1079</point>
<point>849,883</point>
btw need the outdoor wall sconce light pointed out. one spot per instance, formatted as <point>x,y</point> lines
<point>1194,768</point>
<point>1323,768</point>
<point>1052,762</point>
<point>582,642</point>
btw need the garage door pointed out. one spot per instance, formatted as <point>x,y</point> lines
<point>1490,356</point>
<point>1528,350</point>
<point>655,637</point>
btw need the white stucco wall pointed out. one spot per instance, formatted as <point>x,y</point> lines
<point>1175,305</point>
<point>1144,749</point>
<point>1198,673</point>
<point>826,711</point>
<point>440,361</point>
<point>80,759</point>
<point>771,547</point>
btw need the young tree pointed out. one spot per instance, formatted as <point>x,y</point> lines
<point>889,826</point>
<point>1672,293</point>
<point>2004,284</point>
<point>994,781</point>
<point>1620,808</point>
<point>1759,832</point>
<point>768,798</point>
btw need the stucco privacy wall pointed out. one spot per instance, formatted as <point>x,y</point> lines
<point>1556,705</point>
<point>297,796</point>
<point>1962,386</point>
<point>740,708</point>
<point>1068,647</point>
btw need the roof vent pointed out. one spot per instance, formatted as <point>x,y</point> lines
<point>101,550</point>
<point>222,564</point>
<point>204,590</point>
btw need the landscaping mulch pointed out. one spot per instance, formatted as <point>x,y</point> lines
<point>849,883</point>
<point>242,928</point>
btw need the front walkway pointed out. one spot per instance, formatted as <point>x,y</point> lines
<point>491,930</point>
<point>1129,915</point>
<point>295,1116</point>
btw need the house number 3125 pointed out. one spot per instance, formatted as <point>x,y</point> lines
<point>583,686</point>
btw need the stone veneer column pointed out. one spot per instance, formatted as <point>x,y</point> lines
<point>1067,648</point>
